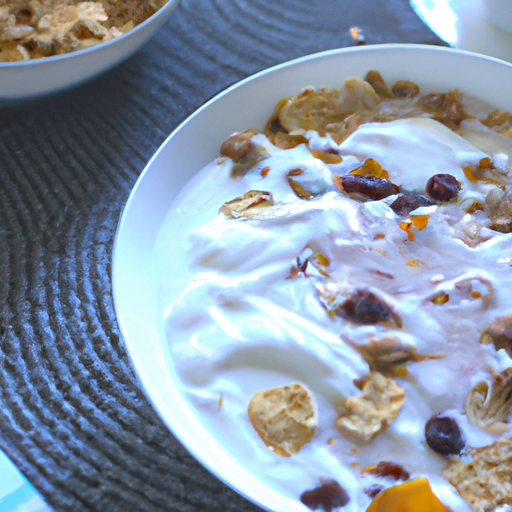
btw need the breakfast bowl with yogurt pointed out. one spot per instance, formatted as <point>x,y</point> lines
<point>315,288</point>
<point>49,46</point>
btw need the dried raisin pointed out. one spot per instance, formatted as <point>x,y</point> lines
<point>443,435</point>
<point>442,188</point>
<point>327,497</point>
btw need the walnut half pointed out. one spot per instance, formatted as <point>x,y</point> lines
<point>372,412</point>
<point>487,406</point>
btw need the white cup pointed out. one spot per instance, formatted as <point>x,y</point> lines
<point>499,12</point>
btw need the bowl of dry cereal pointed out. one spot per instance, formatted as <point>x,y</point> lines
<point>47,46</point>
<point>313,278</point>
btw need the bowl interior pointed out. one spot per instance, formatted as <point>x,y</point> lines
<point>195,143</point>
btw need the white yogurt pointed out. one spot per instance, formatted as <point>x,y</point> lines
<point>237,323</point>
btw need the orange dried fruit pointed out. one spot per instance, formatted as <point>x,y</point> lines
<point>411,496</point>
<point>370,167</point>
<point>326,157</point>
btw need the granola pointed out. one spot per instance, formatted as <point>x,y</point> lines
<point>31,29</point>
<point>484,476</point>
<point>284,417</point>
<point>369,414</point>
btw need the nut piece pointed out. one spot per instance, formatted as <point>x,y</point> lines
<point>484,481</point>
<point>374,78</point>
<point>284,417</point>
<point>487,406</point>
<point>447,108</point>
<point>385,355</point>
<point>244,153</point>
<point>499,332</point>
<point>405,89</point>
<point>248,205</point>
<point>370,413</point>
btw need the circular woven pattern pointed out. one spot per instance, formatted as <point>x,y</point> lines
<point>72,416</point>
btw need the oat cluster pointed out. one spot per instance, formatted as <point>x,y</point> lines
<point>31,29</point>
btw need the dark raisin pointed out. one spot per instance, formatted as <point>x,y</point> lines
<point>364,307</point>
<point>373,490</point>
<point>365,187</point>
<point>389,470</point>
<point>406,202</point>
<point>442,188</point>
<point>443,435</point>
<point>327,497</point>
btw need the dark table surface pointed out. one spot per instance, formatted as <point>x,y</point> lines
<point>72,416</point>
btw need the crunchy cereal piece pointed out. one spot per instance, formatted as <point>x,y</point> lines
<point>497,118</point>
<point>244,153</point>
<point>374,78</point>
<point>74,27</point>
<point>305,184</point>
<point>10,52</point>
<point>485,481</point>
<point>488,404</point>
<point>447,108</point>
<point>284,417</point>
<point>42,28</point>
<point>499,332</point>
<point>248,205</point>
<point>316,110</point>
<point>405,89</point>
<point>372,412</point>
<point>389,354</point>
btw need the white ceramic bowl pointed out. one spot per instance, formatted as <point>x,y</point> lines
<point>21,80</point>
<point>249,104</point>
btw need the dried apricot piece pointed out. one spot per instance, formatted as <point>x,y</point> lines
<point>412,496</point>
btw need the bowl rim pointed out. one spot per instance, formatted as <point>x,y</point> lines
<point>41,61</point>
<point>173,423</point>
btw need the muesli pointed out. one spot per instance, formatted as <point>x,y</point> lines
<point>338,303</point>
<point>31,29</point>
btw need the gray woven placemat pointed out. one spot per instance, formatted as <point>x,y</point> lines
<point>72,416</point>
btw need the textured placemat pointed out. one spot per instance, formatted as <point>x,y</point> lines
<point>71,414</point>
